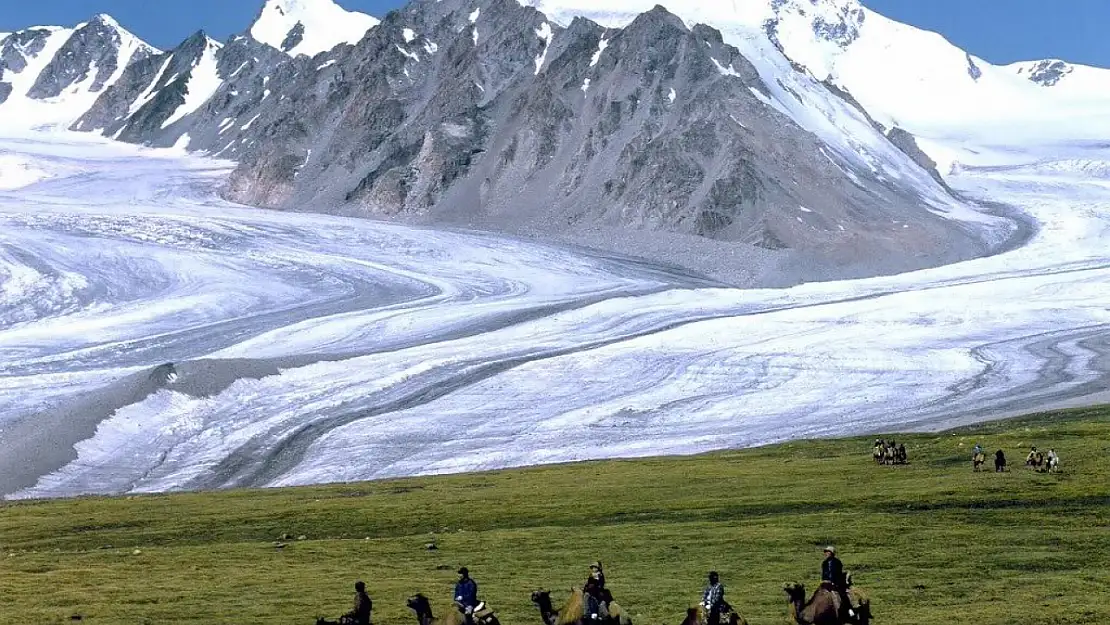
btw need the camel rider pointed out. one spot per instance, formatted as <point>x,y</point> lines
<point>597,597</point>
<point>832,575</point>
<point>466,595</point>
<point>713,599</point>
<point>363,606</point>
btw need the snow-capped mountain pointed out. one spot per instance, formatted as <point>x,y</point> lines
<point>948,98</point>
<point>803,133</point>
<point>51,75</point>
<point>309,27</point>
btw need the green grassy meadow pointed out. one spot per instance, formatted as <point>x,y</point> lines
<point>931,542</point>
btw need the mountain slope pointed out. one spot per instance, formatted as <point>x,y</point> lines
<point>50,75</point>
<point>308,27</point>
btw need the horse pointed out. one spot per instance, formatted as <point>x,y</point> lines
<point>978,460</point>
<point>1053,462</point>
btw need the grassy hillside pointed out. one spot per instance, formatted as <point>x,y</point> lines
<point>932,542</point>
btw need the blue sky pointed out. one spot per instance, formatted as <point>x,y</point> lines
<point>1000,31</point>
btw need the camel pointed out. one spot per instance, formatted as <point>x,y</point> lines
<point>574,611</point>
<point>823,607</point>
<point>542,600</point>
<point>698,616</point>
<point>423,608</point>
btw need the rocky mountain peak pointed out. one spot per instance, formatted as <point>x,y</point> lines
<point>89,58</point>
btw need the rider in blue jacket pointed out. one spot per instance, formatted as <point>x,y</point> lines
<point>466,594</point>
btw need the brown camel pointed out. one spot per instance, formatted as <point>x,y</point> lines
<point>574,611</point>
<point>823,607</point>
<point>542,600</point>
<point>423,608</point>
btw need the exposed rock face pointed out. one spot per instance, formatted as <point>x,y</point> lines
<point>908,144</point>
<point>1047,73</point>
<point>15,50</point>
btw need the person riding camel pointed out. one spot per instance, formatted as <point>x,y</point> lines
<point>360,615</point>
<point>713,600</point>
<point>832,576</point>
<point>466,595</point>
<point>597,597</point>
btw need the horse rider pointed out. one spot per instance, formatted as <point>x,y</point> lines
<point>360,615</point>
<point>877,451</point>
<point>466,595</point>
<point>999,461</point>
<point>832,575</point>
<point>713,599</point>
<point>978,450</point>
<point>597,597</point>
<point>1031,459</point>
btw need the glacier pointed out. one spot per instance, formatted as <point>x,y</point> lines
<point>155,337</point>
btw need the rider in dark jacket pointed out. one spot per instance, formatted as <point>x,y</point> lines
<point>363,606</point>
<point>832,573</point>
<point>596,595</point>
<point>466,595</point>
<point>713,599</point>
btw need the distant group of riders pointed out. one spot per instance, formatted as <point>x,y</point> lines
<point>889,453</point>
<point>1036,460</point>
<point>599,609</point>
